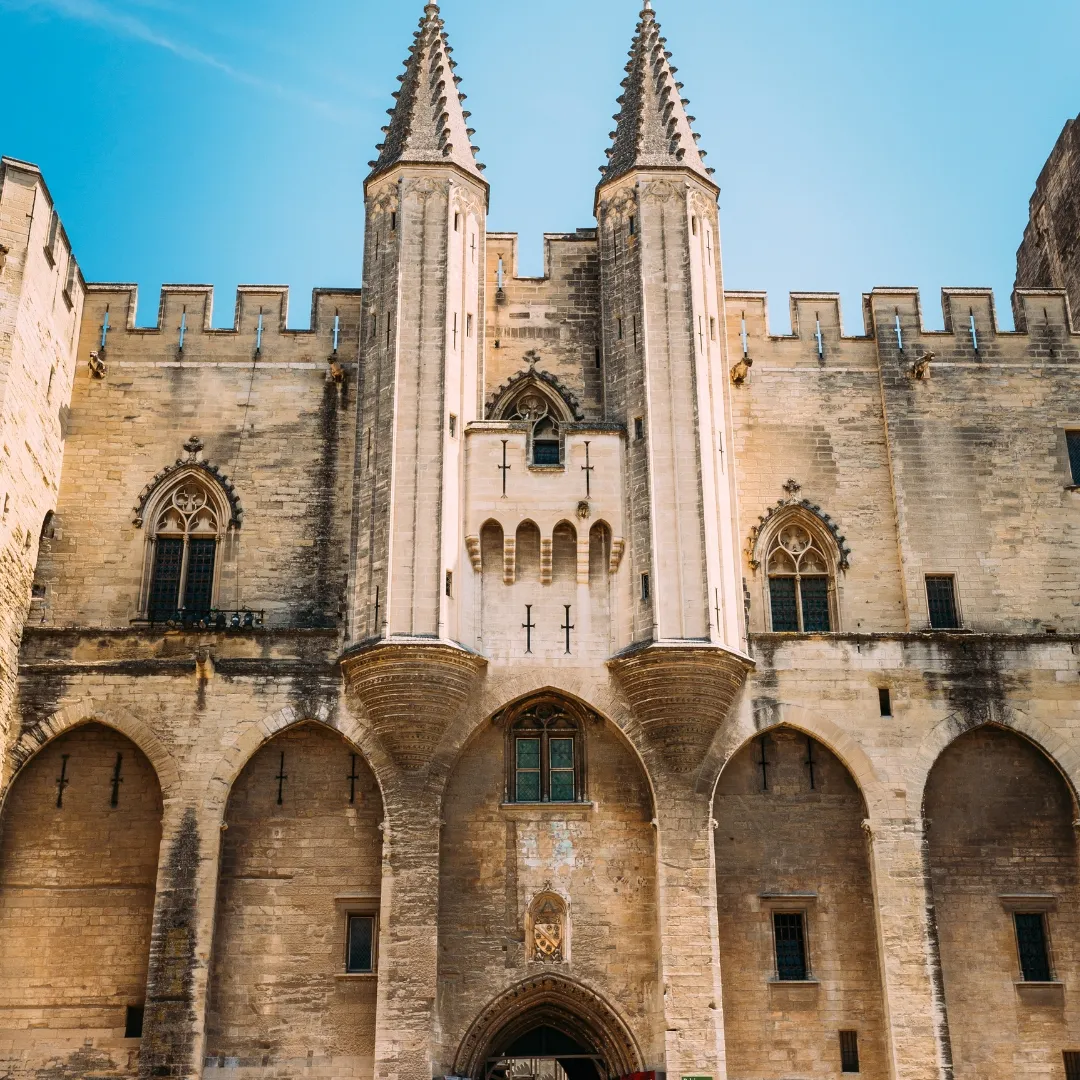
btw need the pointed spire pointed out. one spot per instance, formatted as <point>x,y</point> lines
<point>427,125</point>
<point>653,129</point>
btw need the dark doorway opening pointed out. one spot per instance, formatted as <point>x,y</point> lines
<point>545,1053</point>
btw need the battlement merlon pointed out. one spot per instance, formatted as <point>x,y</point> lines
<point>506,246</point>
<point>970,316</point>
<point>185,315</point>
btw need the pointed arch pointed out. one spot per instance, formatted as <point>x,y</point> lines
<point>560,402</point>
<point>555,1001</point>
<point>37,737</point>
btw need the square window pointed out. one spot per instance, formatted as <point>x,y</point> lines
<point>546,453</point>
<point>849,1051</point>
<point>1033,947</point>
<point>1072,441</point>
<point>941,600</point>
<point>1072,1064</point>
<point>133,1021</point>
<point>785,614</point>
<point>789,929</point>
<point>360,953</point>
<point>885,701</point>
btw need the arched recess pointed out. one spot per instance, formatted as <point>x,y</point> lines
<point>792,861</point>
<point>528,551</point>
<point>79,844</point>
<point>552,1001</point>
<point>301,855</point>
<point>497,857</point>
<point>1003,870</point>
<point>564,553</point>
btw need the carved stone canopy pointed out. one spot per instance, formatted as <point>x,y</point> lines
<point>204,471</point>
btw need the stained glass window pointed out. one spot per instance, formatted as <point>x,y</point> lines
<point>545,763</point>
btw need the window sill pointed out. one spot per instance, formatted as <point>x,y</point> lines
<point>355,976</point>
<point>574,811</point>
<point>547,468</point>
<point>1041,994</point>
<point>1072,487</point>
<point>794,982</point>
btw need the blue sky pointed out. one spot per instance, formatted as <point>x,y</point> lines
<point>857,143</point>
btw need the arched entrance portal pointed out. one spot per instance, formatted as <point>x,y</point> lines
<point>551,1028</point>
<point>545,1053</point>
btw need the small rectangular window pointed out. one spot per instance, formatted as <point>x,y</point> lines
<point>453,426</point>
<point>1032,945</point>
<point>646,587</point>
<point>693,225</point>
<point>393,220</point>
<point>849,1051</point>
<point>789,929</point>
<point>468,326</point>
<point>546,452</point>
<point>133,1021</point>
<point>527,770</point>
<point>360,947</point>
<point>941,599</point>
<point>633,226</point>
<point>639,428</point>
<point>885,701</point>
<point>598,361</point>
<point>1072,440</point>
<point>1072,1064</point>
<point>69,283</point>
<point>450,583</point>
<point>619,322</point>
<point>50,242</point>
<point>457,223</point>
<point>785,613</point>
<point>712,328</point>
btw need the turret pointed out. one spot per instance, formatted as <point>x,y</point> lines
<point>426,202</point>
<point>664,339</point>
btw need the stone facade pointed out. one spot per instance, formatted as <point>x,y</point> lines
<point>662,693</point>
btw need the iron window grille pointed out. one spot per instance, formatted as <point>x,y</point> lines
<point>849,1051</point>
<point>360,945</point>
<point>545,756</point>
<point>1072,441</point>
<point>789,932</point>
<point>1033,947</point>
<point>941,601</point>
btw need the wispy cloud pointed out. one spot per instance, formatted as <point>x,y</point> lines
<point>96,13</point>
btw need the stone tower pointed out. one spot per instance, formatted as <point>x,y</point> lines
<point>663,319</point>
<point>423,297</point>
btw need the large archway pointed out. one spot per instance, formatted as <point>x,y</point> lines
<point>79,843</point>
<point>293,978</point>
<point>547,800</point>
<point>548,1019</point>
<point>797,930</point>
<point>1005,883</point>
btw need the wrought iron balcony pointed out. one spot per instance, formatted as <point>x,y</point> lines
<point>214,619</point>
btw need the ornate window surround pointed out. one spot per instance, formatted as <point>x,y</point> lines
<point>826,538</point>
<point>544,717</point>
<point>189,499</point>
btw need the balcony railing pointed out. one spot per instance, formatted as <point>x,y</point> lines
<point>214,619</point>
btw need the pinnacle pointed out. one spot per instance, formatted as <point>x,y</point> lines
<point>427,125</point>
<point>653,130</point>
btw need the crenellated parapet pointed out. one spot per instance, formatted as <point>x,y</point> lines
<point>184,330</point>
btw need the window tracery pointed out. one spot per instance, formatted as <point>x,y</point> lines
<point>545,755</point>
<point>800,582</point>
<point>187,521</point>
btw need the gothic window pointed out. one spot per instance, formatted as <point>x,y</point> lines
<point>800,584</point>
<point>545,756</point>
<point>187,524</point>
